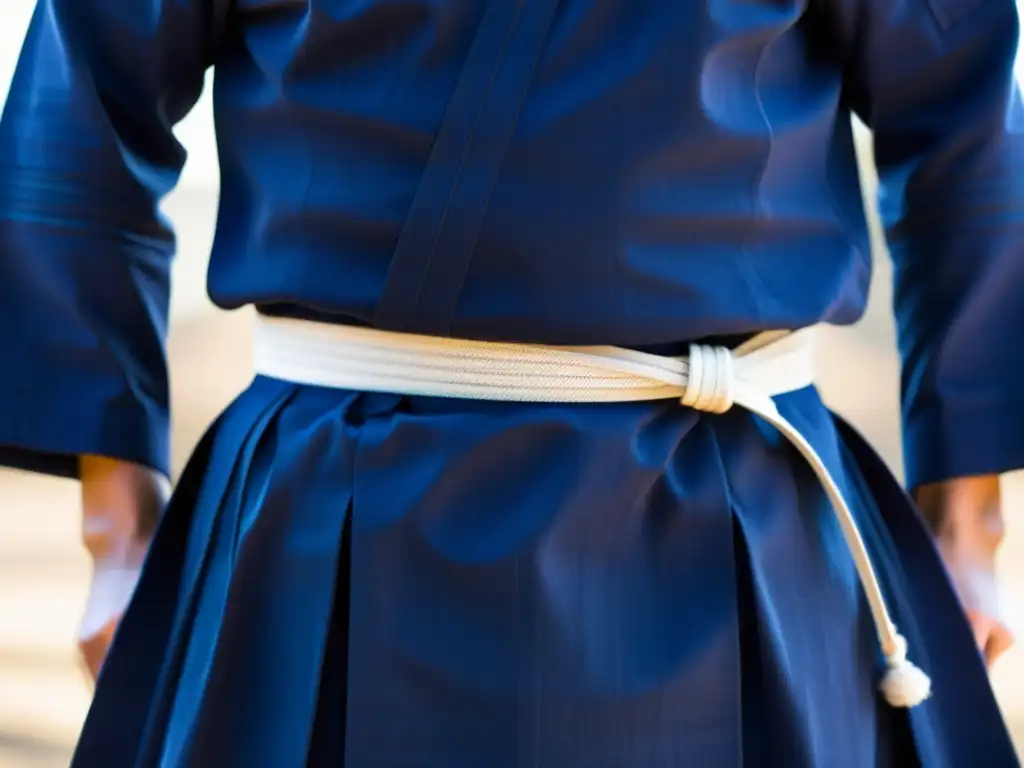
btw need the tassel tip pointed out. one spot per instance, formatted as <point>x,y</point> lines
<point>904,685</point>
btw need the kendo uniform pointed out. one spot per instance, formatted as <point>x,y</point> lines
<point>520,481</point>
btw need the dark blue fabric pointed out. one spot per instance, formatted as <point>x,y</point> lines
<point>381,582</point>
<point>677,170</point>
<point>375,581</point>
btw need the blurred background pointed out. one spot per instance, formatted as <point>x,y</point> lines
<point>43,570</point>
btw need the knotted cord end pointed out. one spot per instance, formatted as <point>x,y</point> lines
<point>904,684</point>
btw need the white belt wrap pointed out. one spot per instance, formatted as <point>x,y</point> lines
<point>710,379</point>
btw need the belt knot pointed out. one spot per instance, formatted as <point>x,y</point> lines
<point>710,379</point>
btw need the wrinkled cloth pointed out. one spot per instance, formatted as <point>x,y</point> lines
<point>666,171</point>
<point>359,580</point>
<point>344,579</point>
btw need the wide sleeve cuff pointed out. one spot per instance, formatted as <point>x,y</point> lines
<point>46,429</point>
<point>945,443</point>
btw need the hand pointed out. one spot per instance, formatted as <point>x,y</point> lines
<point>121,504</point>
<point>966,518</point>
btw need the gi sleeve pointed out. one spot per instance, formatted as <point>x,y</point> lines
<point>86,154</point>
<point>934,80</point>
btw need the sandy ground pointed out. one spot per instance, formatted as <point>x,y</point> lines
<point>43,571</point>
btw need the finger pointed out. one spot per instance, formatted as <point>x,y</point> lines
<point>982,627</point>
<point>999,642</point>
<point>93,650</point>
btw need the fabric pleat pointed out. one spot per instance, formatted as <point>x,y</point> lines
<point>353,580</point>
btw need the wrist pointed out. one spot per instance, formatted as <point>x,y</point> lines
<point>964,513</point>
<point>121,506</point>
